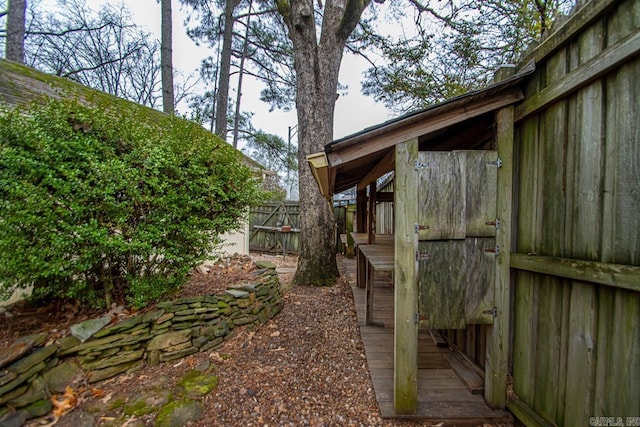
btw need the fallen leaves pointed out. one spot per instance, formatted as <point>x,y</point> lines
<point>64,403</point>
<point>304,367</point>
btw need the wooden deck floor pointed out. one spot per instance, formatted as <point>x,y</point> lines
<point>442,396</point>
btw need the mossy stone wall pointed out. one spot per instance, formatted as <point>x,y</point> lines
<point>34,367</point>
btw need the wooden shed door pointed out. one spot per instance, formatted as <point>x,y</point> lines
<point>456,259</point>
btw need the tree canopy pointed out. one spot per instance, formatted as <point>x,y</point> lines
<point>453,47</point>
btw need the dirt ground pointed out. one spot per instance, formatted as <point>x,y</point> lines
<point>306,366</point>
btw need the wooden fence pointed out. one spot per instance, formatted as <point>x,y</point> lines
<point>275,228</point>
<point>576,257</point>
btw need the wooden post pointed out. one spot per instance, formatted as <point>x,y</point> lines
<point>405,280</point>
<point>495,390</point>
<point>361,211</point>
<point>371,214</point>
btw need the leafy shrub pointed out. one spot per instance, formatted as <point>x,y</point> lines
<point>103,202</point>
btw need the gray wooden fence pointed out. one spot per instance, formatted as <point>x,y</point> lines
<point>275,228</point>
<point>576,262</point>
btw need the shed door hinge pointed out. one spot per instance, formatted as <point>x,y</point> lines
<point>493,312</point>
<point>417,227</point>
<point>419,165</point>
<point>497,163</point>
<point>495,223</point>
<point>495,250</point>
<point>422,256</point>
<point>418,317</point>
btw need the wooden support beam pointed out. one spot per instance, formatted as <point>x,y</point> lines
<point>385,165</point>
<point>405,279</point>
<point>371,214</point>
<point>614,275</point>
<point>496,367</point>
<point>361,211</point>
<point>433,120</point>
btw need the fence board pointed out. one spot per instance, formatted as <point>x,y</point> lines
<point>525,335</point>
<point>627,179</point>
<point>576,338</point>
<point>552,196</point>
<point>624,354</point>
<point>548,349</point>
<point>266,220</point>
<point>581,369</point>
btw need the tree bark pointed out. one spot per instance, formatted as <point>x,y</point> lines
<point>245,47</point>
<point>224,74</point>
<point>14,50</point>
<point>317,63</point>
<point>166,57</point>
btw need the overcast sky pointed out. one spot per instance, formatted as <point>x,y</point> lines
<point>354,111</point>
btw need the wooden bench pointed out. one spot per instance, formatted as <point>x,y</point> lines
<point>376,258</point>
<point>360,239</point>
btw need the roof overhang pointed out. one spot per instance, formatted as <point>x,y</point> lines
<point>320,169</point>
<point>464,122</point>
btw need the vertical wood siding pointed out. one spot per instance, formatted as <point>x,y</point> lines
<point>576,345</point>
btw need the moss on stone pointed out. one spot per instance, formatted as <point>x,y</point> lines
<point>178,413</point>
<point>117,403</point>
<point>197,383</point>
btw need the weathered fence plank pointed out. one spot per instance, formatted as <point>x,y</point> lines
<point>576,338</point>
<point>266,227</point>
<point>614,275</point>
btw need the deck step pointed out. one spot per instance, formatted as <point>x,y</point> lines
<point>467,373</point>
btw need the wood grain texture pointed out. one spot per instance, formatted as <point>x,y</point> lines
<point>577,307</point>
<point>405,281</point>
<point>480,192</point>
<point>441,284</point>
<point>498,343</point>
<point>442,396</point>
<point>614,275</point>
<point>441,195</point>
<point>478,280</point>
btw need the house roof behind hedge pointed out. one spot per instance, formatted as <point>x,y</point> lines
<point>20,85</point>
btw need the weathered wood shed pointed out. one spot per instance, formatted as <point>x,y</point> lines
<point>517,223</point>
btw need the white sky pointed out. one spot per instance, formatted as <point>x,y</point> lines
<point>353,113</point>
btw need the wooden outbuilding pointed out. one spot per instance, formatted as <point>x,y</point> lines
<point>516,219</point>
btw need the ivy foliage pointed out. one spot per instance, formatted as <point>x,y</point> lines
<point>103,203</point>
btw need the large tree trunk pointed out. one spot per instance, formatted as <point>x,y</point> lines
<point>224,73</point>
<point>317,65</point>
<point>317,262</point>
<point>166,57</point>
<point>16,16</point>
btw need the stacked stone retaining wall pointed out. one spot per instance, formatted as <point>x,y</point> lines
<point>36,367</point>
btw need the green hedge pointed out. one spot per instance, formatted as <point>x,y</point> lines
<point>101,203</point>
